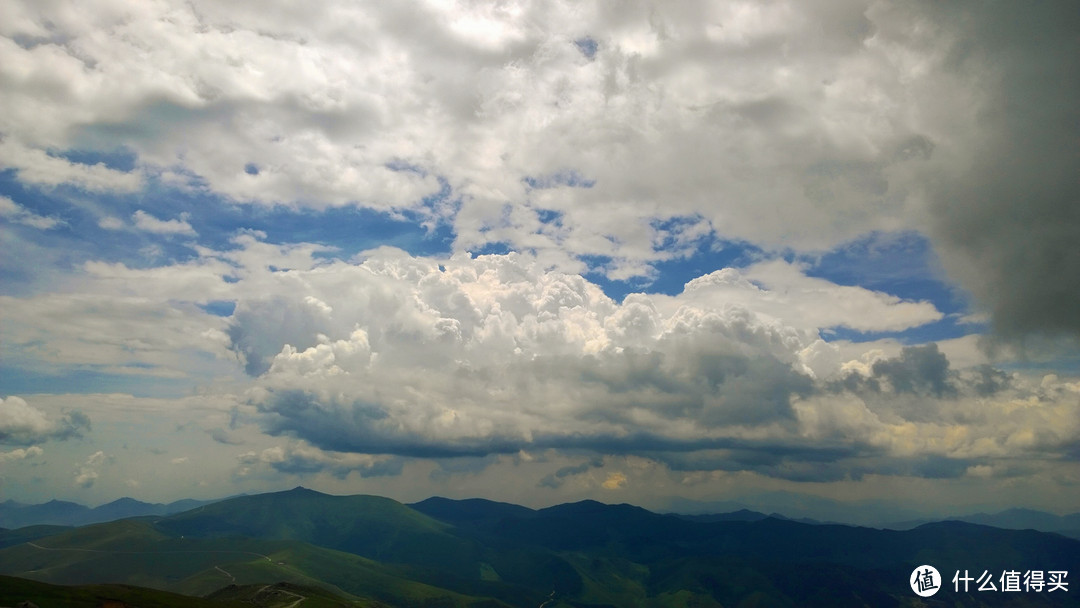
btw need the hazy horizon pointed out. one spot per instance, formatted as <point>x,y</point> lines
<point>541,252</point>
<point>793,506</point>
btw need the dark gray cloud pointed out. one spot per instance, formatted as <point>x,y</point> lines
<point>222,436</point>
<point>918,370</point>
<point>989,380</point>
<point>558,478</point>
<point>708,390</point>
<point>259,327</point>
<point>921,370</point>
<point>1007,219</point>
<point>366,428</point>
<point>713,388</point>
<point>793,460</point>
<point>302,460</point>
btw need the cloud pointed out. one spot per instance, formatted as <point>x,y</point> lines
<point>922,370</point>
<point>614,481</point>
<point>148,223</point>
<point>599,143</point>
<point>21,454</point>
<point>222,436</point>
<point>821,303</point>
<point>790,125</point>
<point>1003,206</point>
<point>16,213</point>
<point>23,424</point>
<point>298,458</point>
<point>469,357</point>
<point>36,166</point>
<point>125,321</point>
<point>616,138</point>
<point>111,223</point>
<point>398,355</point>
<point>89,471</point>
<point>558,478</point>
<point>392,356</point>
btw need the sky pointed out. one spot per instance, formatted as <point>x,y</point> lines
<point>664,253</point>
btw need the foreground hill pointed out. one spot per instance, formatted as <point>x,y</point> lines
<point>16,590</point>
<point>134,552</point>
<point>282,595</point>
<point>477,553</point>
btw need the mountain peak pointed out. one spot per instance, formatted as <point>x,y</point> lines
<point>126,501</point>
<point>302,491</point>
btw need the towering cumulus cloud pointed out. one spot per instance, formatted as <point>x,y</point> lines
<point>493,354</point>
<point>400,355</point>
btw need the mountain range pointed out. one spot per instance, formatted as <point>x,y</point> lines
<point>62,513</point>
<point>374,551</point>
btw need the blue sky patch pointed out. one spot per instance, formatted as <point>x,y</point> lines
<point>587,46</point>
<point>121,159</point>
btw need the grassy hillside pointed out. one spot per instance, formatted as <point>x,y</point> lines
<point>29,533</point>
<point>14,590</point>
<point>424,549</point>
<point>286,595</point>
<point>372,526</point>
<point>280,595</point>
<point>374,551</point>
<point>134,552</point>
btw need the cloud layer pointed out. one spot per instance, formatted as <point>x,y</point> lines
<point>398,355</point>
<point>574,130</point>
<point>376,234</point>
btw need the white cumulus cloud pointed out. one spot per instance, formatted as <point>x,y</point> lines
<point>88,472</point>
<point>21,454</point>
<point>24,424</point>
<point>148,223</point>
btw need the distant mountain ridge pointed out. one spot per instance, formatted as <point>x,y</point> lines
<point>484,554</point>
<point>1010,519</point>
<point>63,513</point>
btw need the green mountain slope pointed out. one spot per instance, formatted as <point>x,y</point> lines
<point>29,533</point>
<point>134,552</point>
<point>15,590</point>
<point>372,526</point>
<point>425,549</point>
<point>280,595</point>
<point>484,554</point>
